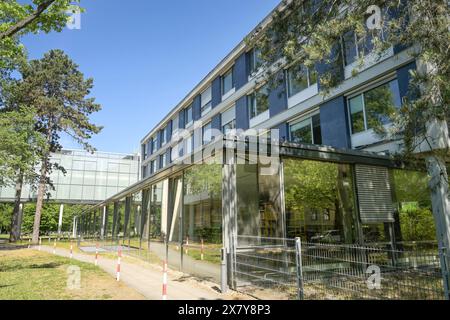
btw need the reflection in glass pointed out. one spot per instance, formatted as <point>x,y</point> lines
<point>319,201</point>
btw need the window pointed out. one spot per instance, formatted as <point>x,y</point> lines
<point>373,107</point>
<point>188,145</point>
<point>207,133</point>
<point>258,102</point>
<point>206,98</point>
<point>175,124</point>
<point>188,118</point>
<point>226,128</point>
<point>227,81</point>
<point>154,144</point>
<point>163,160</point>
<point>144,151</point>
<point>153,166</point>
<point>163,134</point>
<point>254,60</point>
<point>177,151</point>
<point>299,79</point>
<point>306,131</point>
<point>144,171</point>
<point>355,48</point>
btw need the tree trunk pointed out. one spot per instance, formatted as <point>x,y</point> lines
<point>40,201</point>
<point>16,220</point>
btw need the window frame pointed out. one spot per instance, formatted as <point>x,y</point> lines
<point>204,128</point>
<point>289,81</point>
<point>253,97</point>
<point>229,72</point>
<point>206,107</point>
<point>187,110</point>
<point>308,117</point>
<point>362,92</point>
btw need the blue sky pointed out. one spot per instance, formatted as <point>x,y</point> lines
<point>146,55</point>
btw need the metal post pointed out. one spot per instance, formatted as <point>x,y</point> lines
<point>298,255</point>
<point>60,220</point>
<point>223,271</point>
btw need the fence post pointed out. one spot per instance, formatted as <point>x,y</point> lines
<point>445,257</point>
<point>223,271</point>
<point>298,255</point>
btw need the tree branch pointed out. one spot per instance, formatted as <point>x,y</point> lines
<point>28,20</point>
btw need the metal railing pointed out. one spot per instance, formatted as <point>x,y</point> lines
<point>280,268</point>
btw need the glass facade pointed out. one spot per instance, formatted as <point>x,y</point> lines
<point>88,178</point>
<point>187,216</point>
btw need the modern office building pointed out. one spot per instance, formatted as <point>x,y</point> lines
<point>89,178</point>
<point>331,177</point>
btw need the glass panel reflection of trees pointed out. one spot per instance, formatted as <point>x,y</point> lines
<point>203,204</point>
<point>414,220</point>
<point>319,201</point>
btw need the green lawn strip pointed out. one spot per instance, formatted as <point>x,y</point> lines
<point>32,275</point>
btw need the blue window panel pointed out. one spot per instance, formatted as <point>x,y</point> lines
<point>334,123</point>
<point>181,119</point>
<point>169,156</point>
<point>283,131</point>
<point>196,108</point>
<point>216,122</point>
<point>242,116</point>
<point>278,97</point>
<point>169,131</point>
<point>240,72</point>
<point>216,92</point>
<point>159,134</point>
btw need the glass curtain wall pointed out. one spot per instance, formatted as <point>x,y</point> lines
<point>414,221</point>
<point>259,206</point>
<point>202,220</point>
<point>319,200</point>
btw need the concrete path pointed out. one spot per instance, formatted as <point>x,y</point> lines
<point>147,279</point>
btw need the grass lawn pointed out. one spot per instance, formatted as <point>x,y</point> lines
<point>31,275</point>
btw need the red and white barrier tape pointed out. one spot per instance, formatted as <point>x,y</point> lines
<point>119,258</point>
<point>164,289</point>
<point>96,254</point>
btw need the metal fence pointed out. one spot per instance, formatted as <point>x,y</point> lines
<point>273,268</point>
<point>360,272</point>
<point>266,267</point>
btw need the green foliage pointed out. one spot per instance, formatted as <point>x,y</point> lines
<point>312,184</point>
<point>14,13</point>
<point>204,178</point>
<point>417,224</point>
<point>310,33</point>
<point>50,217</point>
<point>6,210</point>
<point>20,145</point>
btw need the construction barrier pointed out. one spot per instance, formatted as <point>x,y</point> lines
<point>119,258</point>
<point>164,289</point>
<point>96,254</point>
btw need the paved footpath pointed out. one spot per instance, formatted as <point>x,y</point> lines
<point>147,279</point>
